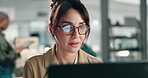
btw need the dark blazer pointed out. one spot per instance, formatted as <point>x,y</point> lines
<point>36,67</point>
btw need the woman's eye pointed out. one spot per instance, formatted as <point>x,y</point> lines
<point>82,27</point>
<point>66,28</point>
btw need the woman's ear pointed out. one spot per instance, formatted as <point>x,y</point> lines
<point>50,28</point>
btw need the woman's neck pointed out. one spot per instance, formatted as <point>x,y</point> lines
<point>64,57</point>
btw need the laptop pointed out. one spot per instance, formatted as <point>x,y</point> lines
<point>100,70</point>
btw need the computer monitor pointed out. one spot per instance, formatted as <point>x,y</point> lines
<point>103,70</point>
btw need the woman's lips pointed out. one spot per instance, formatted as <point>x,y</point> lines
<point>74,44</point>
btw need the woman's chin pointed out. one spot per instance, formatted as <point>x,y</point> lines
<point>74,50</point>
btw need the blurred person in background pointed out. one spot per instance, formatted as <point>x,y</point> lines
<point>69,26</point>
<point>8,55</point>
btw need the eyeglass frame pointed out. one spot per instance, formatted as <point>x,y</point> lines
<point>74,29</point>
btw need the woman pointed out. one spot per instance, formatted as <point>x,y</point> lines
<point>7,54</point>
<point>69,27</point>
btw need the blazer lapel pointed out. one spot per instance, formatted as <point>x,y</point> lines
<point>50,59</point>
<point>82,57</point>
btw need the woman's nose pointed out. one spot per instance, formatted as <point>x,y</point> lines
<point>76,33</point>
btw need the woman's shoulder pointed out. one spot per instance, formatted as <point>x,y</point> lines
<point>38,57</point>
<point>91,58</point>
<point>35,59</point>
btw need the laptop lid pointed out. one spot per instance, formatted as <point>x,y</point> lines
<point>100,70</point>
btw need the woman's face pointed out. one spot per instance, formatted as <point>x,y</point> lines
<point>70,43</point>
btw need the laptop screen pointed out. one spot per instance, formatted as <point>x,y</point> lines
<point>100,70</point>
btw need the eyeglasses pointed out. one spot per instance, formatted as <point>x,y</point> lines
<point>69,29</point>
